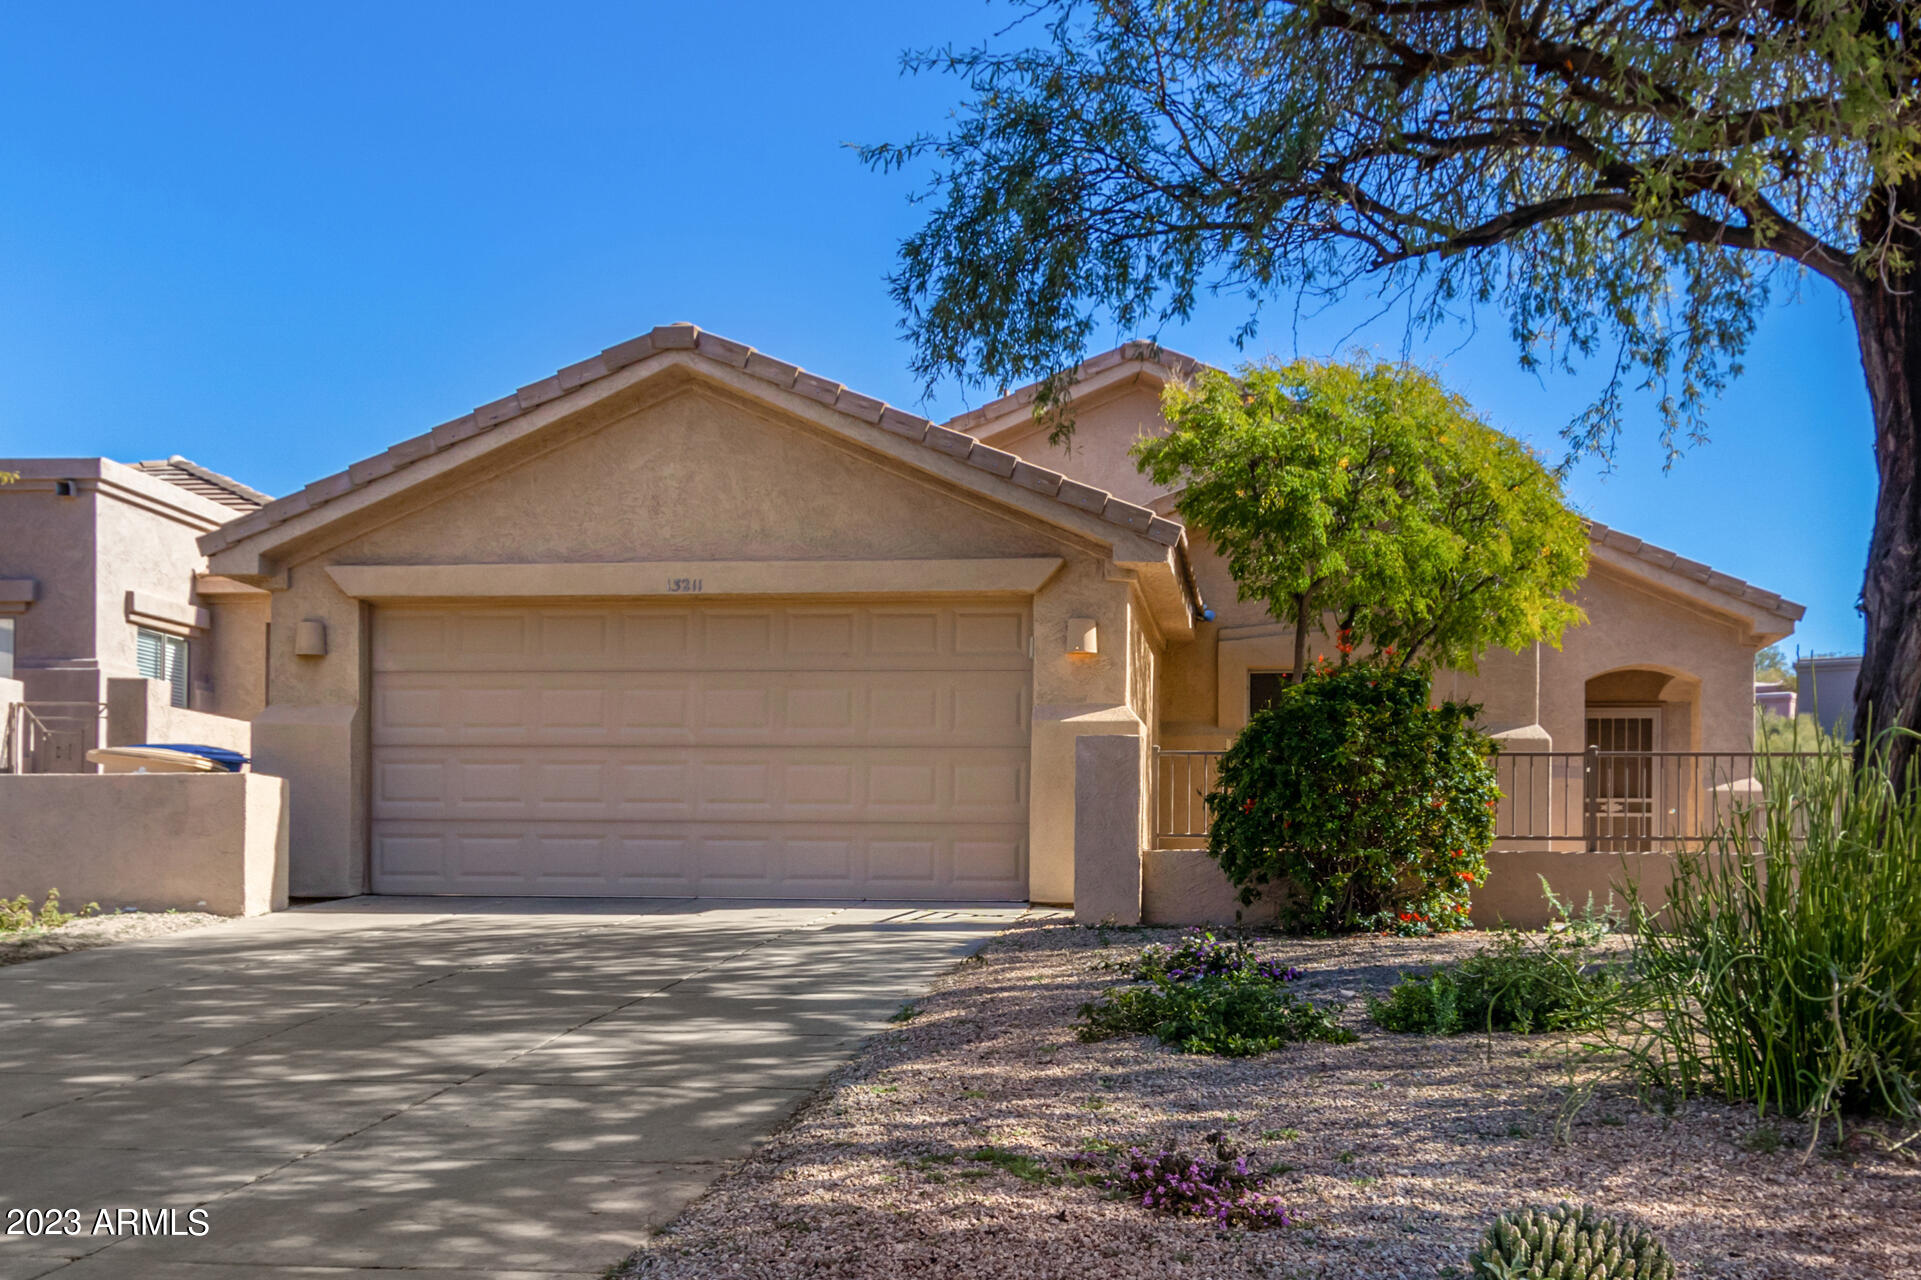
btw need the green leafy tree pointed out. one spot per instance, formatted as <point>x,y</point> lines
<point>1774,667</point>
<point>1369,494</point>
<point>1633,180</point>
<point>1373,807</point>
<point>1778,735</point>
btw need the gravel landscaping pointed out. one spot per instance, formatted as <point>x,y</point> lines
<point>98,931</point>
<point>972,1137</point>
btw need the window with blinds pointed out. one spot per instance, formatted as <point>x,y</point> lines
<point>163,657</point>
<point>6,648</point>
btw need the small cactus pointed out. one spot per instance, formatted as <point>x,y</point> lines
<point>1567,1243</point>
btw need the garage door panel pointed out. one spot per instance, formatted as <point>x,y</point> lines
<point>774,709</point>
<point>648,866</point>
<point>708,637</point>
<point>990,633</point>
<point>744,750</point>
<point>914,861</point>
<point>987,866</point>
<point>618,784</point>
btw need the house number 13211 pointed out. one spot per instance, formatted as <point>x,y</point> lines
<point>678,585</point>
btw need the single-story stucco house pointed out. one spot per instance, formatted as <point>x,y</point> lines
<point>685,619</point>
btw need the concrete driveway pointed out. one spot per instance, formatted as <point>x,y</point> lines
<point>468,1087</point>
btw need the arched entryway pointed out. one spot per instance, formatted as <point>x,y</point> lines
<point>1641,730</point>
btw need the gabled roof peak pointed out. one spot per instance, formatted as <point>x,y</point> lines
<point>1141,351</point>
<point>1693,570</point>
<point>667,339</point>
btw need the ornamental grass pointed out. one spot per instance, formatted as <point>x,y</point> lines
<point>1785,969</point>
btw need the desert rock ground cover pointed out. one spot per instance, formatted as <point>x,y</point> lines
<point>950,1146</point>
<point>98,931</point>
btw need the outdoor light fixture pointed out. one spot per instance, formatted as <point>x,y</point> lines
<point>1083,636</point>
<point>310,639</point>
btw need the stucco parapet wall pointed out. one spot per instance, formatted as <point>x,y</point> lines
<point>121,483</point>
<point>689,578</point>
<point>665,341</point>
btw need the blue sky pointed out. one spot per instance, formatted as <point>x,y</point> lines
<point>277,239</point>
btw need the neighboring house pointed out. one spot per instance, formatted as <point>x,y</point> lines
<point>685,619</point>
<point>1826,684</point>
<point>110,629</point>
<point>1774,698</point>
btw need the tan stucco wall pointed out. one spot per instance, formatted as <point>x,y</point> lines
<point>1106,425</point>
<point>699,475</point>
<point>1699,663</point>
<point>236,650</point>
<point>1185,886</point>
<point>1707,661</point>
<point>140,711</point>
<point>206,842</point>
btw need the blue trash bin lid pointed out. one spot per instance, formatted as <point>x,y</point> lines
<point>228,760</point>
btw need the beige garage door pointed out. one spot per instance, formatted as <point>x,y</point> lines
<point>874,751</point>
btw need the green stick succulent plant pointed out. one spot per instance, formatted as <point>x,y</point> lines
<point>1567,1243</point>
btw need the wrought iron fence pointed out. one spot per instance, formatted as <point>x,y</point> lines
<point>52,737</point>
<point>1611,801</point>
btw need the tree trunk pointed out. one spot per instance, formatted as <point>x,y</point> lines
<point>1888,695</point>
<point>1300,638</point>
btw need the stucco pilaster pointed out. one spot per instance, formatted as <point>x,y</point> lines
<point>1076,695</point>
<point>1108,796</point>
<point>313,733</point>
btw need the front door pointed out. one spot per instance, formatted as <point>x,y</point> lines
<point>1624,805</point>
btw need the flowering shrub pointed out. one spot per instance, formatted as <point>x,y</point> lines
<point>1375,807</point>
<point>1236,1014</point>
<point>1222,1188</point>
<point>1200,954</point>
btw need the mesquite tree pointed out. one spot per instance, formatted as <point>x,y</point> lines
<point>1629,179</point>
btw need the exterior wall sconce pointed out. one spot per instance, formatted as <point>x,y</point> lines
<point>310,639</point>
<point>1083,636</point>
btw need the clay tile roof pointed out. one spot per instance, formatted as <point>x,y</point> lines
<point>1726,584</point>
<point>211,485</point>
<point>735,355</point>
<point>1150,353</point>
